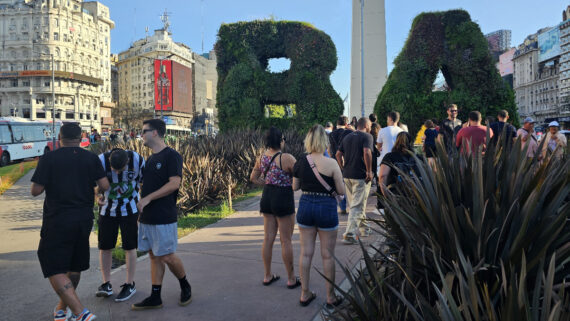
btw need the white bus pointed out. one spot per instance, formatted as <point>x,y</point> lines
<point>23,138</point>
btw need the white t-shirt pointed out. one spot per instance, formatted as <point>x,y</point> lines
<point>387,136</point>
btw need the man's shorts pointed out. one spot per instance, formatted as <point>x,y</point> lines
<point>64,246</point>
<point>161,239</point>
<point>109,230</point>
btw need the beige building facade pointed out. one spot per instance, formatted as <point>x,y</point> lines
<point>564,94</point>
<point>76,34</point>
<point>136,76</point>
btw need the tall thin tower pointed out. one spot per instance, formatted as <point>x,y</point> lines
<point>372,71</point>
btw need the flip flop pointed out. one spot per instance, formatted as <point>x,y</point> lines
<point>336,303</point>
<point>273,279</point>
<point>309,300</point>
<point>294,285</point>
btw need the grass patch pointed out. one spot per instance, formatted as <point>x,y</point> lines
<point>12,173</point>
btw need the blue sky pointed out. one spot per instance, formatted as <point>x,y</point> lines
<point>192,18</point>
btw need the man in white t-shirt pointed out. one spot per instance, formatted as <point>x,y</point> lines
<point>387,136</point>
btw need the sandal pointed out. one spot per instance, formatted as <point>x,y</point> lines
<point>294,285</point>
<point>309,300</point>
<point>336,303</point>
<point>273,279</point>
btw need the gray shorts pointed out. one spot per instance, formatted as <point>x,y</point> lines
<point>161,239</point>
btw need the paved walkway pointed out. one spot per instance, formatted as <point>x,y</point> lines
<point>223,262</point>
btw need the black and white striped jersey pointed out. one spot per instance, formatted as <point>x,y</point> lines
<point>122,197</point>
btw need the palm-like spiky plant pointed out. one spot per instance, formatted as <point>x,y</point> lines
<point>478,237</point>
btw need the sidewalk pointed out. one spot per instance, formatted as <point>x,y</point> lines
<point>223,264</point>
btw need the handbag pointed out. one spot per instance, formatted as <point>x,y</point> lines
<point>329,189</point>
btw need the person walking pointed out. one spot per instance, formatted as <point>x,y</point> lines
<point>320,179</point>
<point>387,135</point>
<point>500,125</point>
<point>355,159</point>
<point>528,137</point>
<point>274,170</point>
<point>401,158</point>
<point>118,209</point>
<point>335,138</point>
<point>430,134</point>
<point>449,128</point>
<point>158,228</point>
<point>67,175</point>
<point>473,135</point>
<point>555,142</point>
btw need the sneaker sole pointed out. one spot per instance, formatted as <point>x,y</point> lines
<point>135,308</point>
<point>126,298</point>
<point>103,294</point>
<point>182,304</point>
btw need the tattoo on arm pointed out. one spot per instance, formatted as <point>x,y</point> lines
<point>64,288</point>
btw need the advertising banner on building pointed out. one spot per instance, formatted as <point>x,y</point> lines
<point>163,85</point>
<point>549,44</point>
<point>182,77</point>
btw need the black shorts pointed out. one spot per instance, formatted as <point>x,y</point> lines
<point>277,200</point>
<point>109,230</point>
<point>64,246</point>
<point>430,151</point>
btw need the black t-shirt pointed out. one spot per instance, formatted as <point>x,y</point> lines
<point>449,129</point>
<point>497,127</point>
<point>69,175</point>
<point>158,169</point>
<point>309,183</point>
<point>404,162</point>
<point>335,138</point>
<point>352,147</point>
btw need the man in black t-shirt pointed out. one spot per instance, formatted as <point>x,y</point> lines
<point>158,228</point>
<point>497,127</point>
<point>450,127</point>
<point>335,138</point>
<point>68,176</point>
<point>355,159</point>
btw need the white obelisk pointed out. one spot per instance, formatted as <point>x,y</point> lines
<point>370,16</point>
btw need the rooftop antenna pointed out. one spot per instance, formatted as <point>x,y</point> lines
<point>165,21</point>
<point>146,31</point>
<point>134,26</point>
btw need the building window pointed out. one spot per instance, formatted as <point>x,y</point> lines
<point>40,114</point>
<point>26,112</point>
<point>14,82</point>
<point>56,36</point>
<point>26,83</point>
<point>47,84</point>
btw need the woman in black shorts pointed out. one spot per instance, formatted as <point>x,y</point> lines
<point>274,171</point>
<point>317,211</point>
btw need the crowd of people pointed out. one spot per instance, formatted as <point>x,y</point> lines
<point>135,196</point>
<point>138,197</point>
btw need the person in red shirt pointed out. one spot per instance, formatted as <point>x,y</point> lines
<point>473,135</point>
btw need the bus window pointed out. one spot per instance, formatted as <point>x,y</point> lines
<point>5,136</point>
<point>33,134</point>
<point>18,132</point>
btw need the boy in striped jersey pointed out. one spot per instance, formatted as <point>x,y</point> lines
<point>118,209</point>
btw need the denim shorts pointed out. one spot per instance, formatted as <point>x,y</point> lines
<point>161,239</point>
<point>317,211</point>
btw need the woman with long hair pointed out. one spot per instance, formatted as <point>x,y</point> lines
<point>399,161</point>
<point>273,170</point>
<point>320,179</point>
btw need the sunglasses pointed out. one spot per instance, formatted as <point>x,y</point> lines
<point>147,130</point>
<point>454,110</point>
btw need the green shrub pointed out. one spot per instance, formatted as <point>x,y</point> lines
<point>245,86</point>
<point>478,238</point>
<point>448,41</point>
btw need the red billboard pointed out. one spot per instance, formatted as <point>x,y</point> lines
<point>163,84</point>
<point>182,87</point>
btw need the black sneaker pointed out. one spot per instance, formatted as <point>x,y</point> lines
<point>148,303</point>
<point>126,293</point>
<point>185,296</point>
<point>104,290</point>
